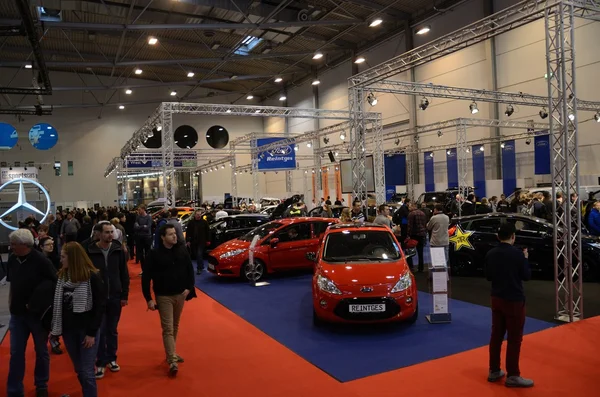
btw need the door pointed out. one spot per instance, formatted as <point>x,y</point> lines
<point>537,238</point>
<point>290,251</point>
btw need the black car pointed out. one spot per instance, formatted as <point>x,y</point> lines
<point>471,237</point>
<point>445,198</point>
<point>336,210</point>
<point>234,226</point>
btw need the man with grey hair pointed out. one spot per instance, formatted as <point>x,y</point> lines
<point>32,278</point>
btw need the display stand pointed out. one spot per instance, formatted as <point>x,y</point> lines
<point>253,279</point>
<point>439,287</point>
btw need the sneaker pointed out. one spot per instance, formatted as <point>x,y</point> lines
<point>496,375</point>
<point>173,369</point>
<point>114,367</point>
<point>100,372</point>
<point>517,381</point>
<point>57,350</point>
<point>180,359</point>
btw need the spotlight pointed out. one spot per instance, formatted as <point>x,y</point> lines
<point>306,171</point>
<point>316,82</point>
<point>481,148</point>
<point>509,110</point>
<point>40,168</point>
<point>342,136</point>
<point>571,116</point>
<point>250,97</point>
<point>431,154</point>
<point>424,30</point>
<point>397,141</point>
<point>372,99</point>
<point>440,133</point>
<point>282,98</point>
<point>152,40</point>
<point>190,74</point>
<point>375,22</point>
<point>121,107</point>
<point>336,154</point>
<point>360,60</point>
<point>223,167</point>
<point>257,111</point>
<point>128,91</point>
<point>308,144</point>
<point>543,113</point>
<point>467,150</point>
<point>28,66</point>
<point>295,148</point>
<point>448,152</point>
<point>278,79</point>
<point>473,108</point>
<point>173,93</point>
<point>313,171</point>
<point>318,55</point>
<point>325,140</point>
<point>597,117</point>
<point>228,111</point>
<point>528,141</point>
<point>159,127</point>
<point>502,145</point>
<point>138,71</point>
<point>416,139</point>
<point>424,104</point>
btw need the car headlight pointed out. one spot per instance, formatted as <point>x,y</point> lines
<point>327,285</point>
<point>231,253</point>
<point>403,284</point>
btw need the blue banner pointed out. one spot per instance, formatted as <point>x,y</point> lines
<point>452,167</point>
<point>429,176</point>
<point>542,155</point>
<point>279,158</point>
<point>395,170</point>
<point>509,168</point>
<point>478,171</point>
<point>154,160</point>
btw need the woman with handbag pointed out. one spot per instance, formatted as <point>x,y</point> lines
<point>79,303</point>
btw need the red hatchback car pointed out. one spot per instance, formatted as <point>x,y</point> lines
<point>362,276</point>
<point>282,245</point>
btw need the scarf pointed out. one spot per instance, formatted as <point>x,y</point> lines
<point>82,301</point>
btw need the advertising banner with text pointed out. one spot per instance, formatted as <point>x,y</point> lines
<point>10,173</point>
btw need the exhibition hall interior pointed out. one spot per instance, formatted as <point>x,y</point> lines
<point>350,198</point>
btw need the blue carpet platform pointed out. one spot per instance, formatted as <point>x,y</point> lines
<point>283,310</point>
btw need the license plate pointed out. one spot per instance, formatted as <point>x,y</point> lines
<point>211,267</point>
<point>375,308</point>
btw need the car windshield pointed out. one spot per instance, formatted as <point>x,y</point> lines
<point>261,231</point>
<point>359,245</point>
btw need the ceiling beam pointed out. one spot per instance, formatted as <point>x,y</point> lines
<point>371,5</point>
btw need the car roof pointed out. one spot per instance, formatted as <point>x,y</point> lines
<point>354,226</point>
<point>501,215</point>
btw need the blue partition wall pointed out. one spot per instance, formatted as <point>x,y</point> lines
<point>479,170</point>
<point>429,172</point>
<point>395,173</point>
<point>452,168</point>
<point>509,168</point>
<point>542,155</point>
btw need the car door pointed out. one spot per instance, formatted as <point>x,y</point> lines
<point>291,248</point>
<point>537,238</point>
<point>483,237</point>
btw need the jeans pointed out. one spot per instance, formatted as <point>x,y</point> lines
<point>83,360</point>
<point>169,309</point>
<point>21,326</point>
<point>420,244</point>
<point>142,249</point>
<point>108,342</point>
<point>200,257</point>
<point>507,317</point>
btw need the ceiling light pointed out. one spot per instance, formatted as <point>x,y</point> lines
<point>597,117</point>
<point>250,97</point>
<point>28,66</point>
<point>282,98</point>
<point>375,22</point>
<point>128,91</point>
<point>308,144</point>
<point>342,136</point>
<point>190,74</point>
<point>325,140</point>
<point>473,108</point>
<point>397,141</point>
<point>316,82</point>
<point>448,152</point>
<point>440,133</point>
<point>215,45</point>
<point>313,171</point>
<point>431,154</point>
<point>318,55</point>
<point>502,145</point>
<point>424,104</point>
<point>571,116</point>
<point>509,110</point>
<point>121,107</point>
<point>467,150</point>
<point>278,79</point>
<point>152,40</point>
<point>138,71</point>
<point>336,154</point>
<point>173,93</point>
<point>228,111</point>
<point>359,60</point>
<point>424,30</point>
<point>543,113</point>
<point>223,167</point>
<point>257,111</point>
<point>372,99</point>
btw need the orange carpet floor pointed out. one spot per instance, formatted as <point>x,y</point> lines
<point>226,356</point>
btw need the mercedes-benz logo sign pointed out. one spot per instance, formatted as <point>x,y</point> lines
<point>22,201</point>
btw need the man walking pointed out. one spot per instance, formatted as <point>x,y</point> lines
<point>69,228</point>
<point>143,234</point>
<point>29,273</point>
<point>108,256</point>
<point>197,238</point>
<point>169,268</point>
<point>438,229</point>
<point>507,267</point>
<point>176,224</point>
<point>417,230</point>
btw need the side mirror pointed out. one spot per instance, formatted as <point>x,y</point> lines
<point>274,242</point>
<point>311,256</point>
<point>410,252</point>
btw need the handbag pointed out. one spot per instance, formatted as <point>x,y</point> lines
<point>410,243</point>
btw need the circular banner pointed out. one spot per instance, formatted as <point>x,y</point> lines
<point>43,136</point>
<point>8,136</point>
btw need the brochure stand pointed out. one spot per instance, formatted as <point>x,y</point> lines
<point>439,287</point>
<point>253,276</point>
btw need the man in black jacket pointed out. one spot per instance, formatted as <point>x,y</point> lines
<point>143,234</point>
<point>169,268</point>
<point>507,267</point>
<point>197,238</point>
<point>108,256</point>
<point>27,271</point>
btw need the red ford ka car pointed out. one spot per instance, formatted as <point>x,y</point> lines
<point>361,276</point>
<point>282,245</point>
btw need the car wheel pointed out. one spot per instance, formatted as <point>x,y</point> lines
<point>317,321</point>
<point>253,275</point>
<point>415,316</point>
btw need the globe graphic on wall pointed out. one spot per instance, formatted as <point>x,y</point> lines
<point>8,136</point>
<point>43,136</point>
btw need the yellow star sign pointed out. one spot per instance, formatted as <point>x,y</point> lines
<point>461,239</point>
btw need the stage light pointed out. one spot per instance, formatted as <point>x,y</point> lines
<point>313,171</point>
<point>360,60</point>
<point>308,144</point>
<point>278,79</point>
<point>424,104</point>
<point>138,71</point>
<point>325,140</point>
<point>223,167</point>
<point>375,22</point>
<point>571,116</point>
<point>424,30</point>
<point>448,152</point>
<point>473,108</point>
<point>228,111</point>
<point>190,74</point>
<point>336,154</point>
<point>528,141</point>
<point>295,148</point>
<point>173,93</point>
<point>152,40</point>
<point>502,145</point>
<point>509,110</point>
<point>318,55</point>
<point>431,154</point>
<point>440,133</point>
<point>481,148</point>
<point>28,66</point>
<point>342,136</point>
<point>316,82</point>
<point>543,113</point>
<point>257,111</point>
<point>467,150</point>
<point>397,141</point>
<point>121,107</point>
<point>250,97</point>
<point>128,91</point>
<point>372,99</point>
<point>282,98</point>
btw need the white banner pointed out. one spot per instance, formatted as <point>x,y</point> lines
<point>8,174</point>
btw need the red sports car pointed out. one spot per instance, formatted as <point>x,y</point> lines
<point>361,276</point>
<point>282,245</point>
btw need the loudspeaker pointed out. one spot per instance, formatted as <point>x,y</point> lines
<point>331,156</point>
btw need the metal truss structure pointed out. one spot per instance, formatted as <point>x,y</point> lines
<point>561,101</point>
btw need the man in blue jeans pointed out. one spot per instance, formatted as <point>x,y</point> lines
<point>28,270</point>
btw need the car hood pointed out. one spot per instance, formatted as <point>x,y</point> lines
<point>357,273</point>
<point>230,245</point>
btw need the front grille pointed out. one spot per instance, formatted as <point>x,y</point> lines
<point>343,309</point>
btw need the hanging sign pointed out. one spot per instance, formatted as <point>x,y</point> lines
<point>8,174</point>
